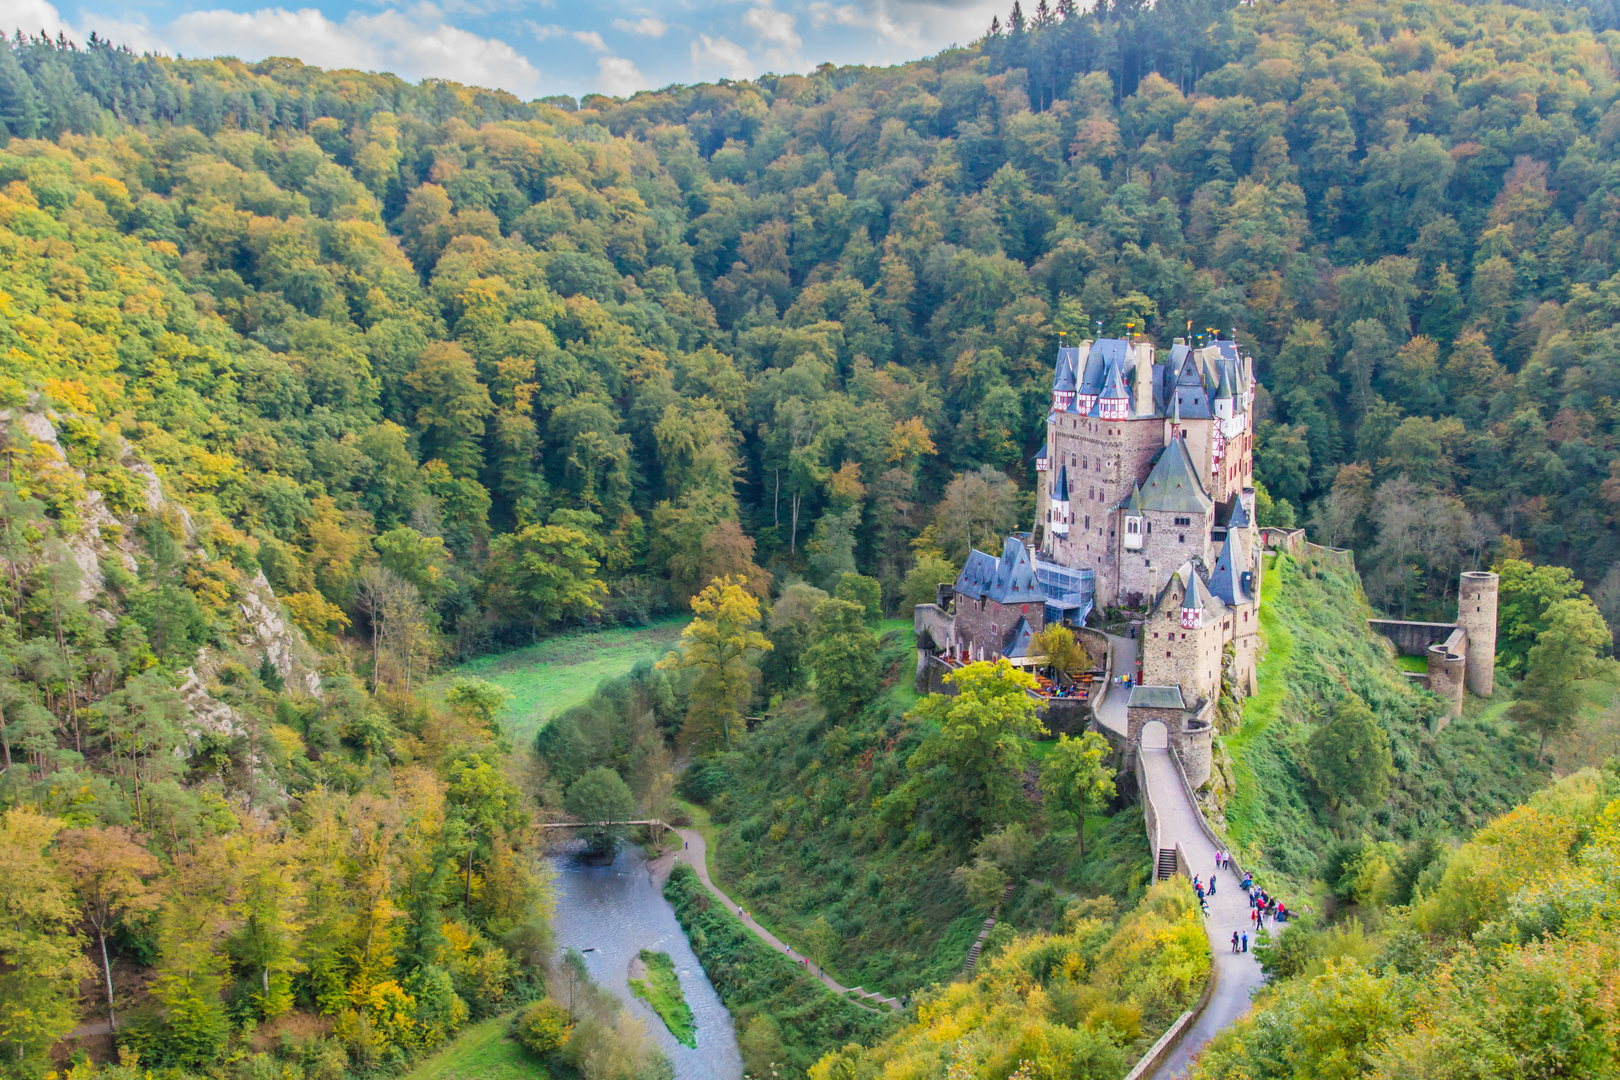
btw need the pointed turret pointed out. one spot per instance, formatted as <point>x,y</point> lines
<point>1194,600</point>
<point>1114,401</point>
<point>1224,399</point>
<point>1227,579</point>
<point>1135,533</point>
<point>1059,498</point>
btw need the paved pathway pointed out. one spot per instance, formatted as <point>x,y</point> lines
<point>694,852</point>
<point>1112,713</point>
<point>1237,975</point>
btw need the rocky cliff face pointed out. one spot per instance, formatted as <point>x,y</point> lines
<point>260,633</point>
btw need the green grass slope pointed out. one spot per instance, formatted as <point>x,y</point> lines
<point>794,836</point>
<point>483,1051</point>
<point>556,674</point>
<point>1313,616</point>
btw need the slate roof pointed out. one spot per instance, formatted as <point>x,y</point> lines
<point>1060,485</point>
<point>1238,514</point>
<point>1016,644</point>
<point>1226,580</point>
<point>978,574</point>
<point>1173,485</point>
<point>1103,351</point>
<point>1156,697</point>
<point>1113,382</point>
<point>1014,582</point>
<point>1196,598</point>
<point>1068,360</point>
<point>1043,451</point>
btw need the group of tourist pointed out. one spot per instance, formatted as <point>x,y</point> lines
<point>1262,905</point>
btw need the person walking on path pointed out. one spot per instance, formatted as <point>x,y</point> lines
<point>1245,941</point>
<point>1234,941</point>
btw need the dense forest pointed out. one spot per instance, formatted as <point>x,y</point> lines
<point>313,380</point>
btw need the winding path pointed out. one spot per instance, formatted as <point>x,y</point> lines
<point>694,853</point>
<point>1236,976</point>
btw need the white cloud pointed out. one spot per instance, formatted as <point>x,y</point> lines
<point>542,32</point>
<point>822,13</point>
<point>619,77</point>
<point>720,54</point>
<point>414,46</point>
<point>591,39</point>
<point>646,26</point>
<point>773,26</point>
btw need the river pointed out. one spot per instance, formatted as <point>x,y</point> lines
<point>614,910</point>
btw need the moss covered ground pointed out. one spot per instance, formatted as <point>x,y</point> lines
<point>1447,781</point>
<point>660,988</point>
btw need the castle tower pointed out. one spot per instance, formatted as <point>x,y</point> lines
<point>1476,613</point>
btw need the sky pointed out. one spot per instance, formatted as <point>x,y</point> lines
<point>532,48</point>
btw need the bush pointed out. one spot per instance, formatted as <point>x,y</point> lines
<point>543,1027</point>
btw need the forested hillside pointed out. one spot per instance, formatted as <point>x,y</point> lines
<point>312,380</point>
<point>806,303</point>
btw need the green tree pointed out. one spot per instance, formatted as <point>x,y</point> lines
<point>113,878</point>
<point>452,409</point>
<point>864,592</point>
<point>1062,652</point>
<point>923,579</point>
<point>1076,780</point>
<point>1526,595</point>
<point>971,762</point>
<point>789,629</point>
<point>716,648</point>
<point>597,797</point>
<point>843,654</point>
<point>41,961</point>
<point>1549,700</point>
<point>1349,756</point>
<point>546,573</point>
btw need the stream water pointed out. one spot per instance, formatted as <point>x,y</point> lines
<point>614,910</point>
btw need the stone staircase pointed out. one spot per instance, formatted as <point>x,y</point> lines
<point>984,932</point>
<point>1166,868</point>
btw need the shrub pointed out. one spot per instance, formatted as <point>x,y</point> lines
<point>543,1027</point>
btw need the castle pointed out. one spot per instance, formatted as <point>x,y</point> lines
<point>1145,500</point>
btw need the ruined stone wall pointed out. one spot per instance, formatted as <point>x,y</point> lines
<point>1476,614</point>
<point>1411,638</point>
<point>1448,661</point>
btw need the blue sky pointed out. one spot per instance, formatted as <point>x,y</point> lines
<point>531,47</point>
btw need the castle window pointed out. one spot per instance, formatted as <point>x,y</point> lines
<point>1183,521</point>
<point>1181,538</point>
<point>1167,654</point>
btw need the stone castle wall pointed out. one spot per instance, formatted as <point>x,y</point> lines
<point>984,624</point>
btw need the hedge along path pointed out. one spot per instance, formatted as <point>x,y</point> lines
<point>694,853</point>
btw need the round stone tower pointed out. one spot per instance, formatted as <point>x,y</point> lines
<point>1476,614</point>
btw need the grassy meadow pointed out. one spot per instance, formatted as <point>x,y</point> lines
<point>561,672</point>
<point>481,1052</point>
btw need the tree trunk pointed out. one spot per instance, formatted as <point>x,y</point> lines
<point>776,501</point>
<point>106,970</point>
<point>5,740</point>
<point>1082,832</point>
<point>793,535</point>
<point>466,900</point>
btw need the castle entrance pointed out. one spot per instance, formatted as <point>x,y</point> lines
<point>1155,736</point>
